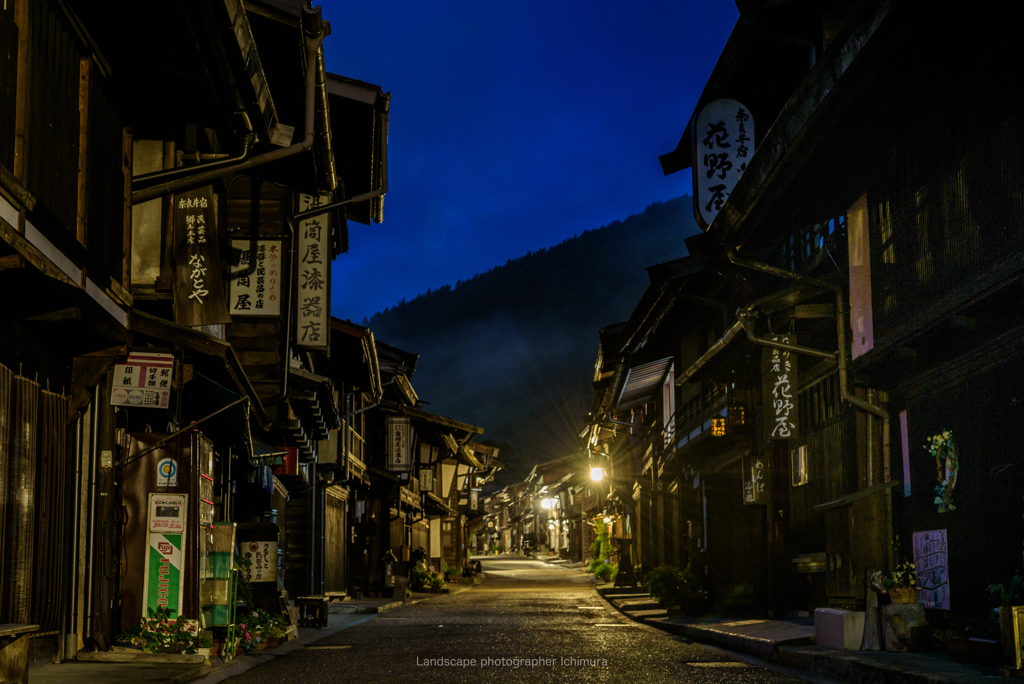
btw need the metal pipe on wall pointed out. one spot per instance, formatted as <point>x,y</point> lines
<point>90,555</point>
<point>70,647</point>
<point>843,360</point>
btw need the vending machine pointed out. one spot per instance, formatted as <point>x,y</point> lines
<point>168,527</point>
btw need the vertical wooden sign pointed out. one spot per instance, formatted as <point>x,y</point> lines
<point>312,306</point>
<point>199,297</point>
<point>779,388</point>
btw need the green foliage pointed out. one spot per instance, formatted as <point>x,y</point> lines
<point>944,635</point>
<point>160,631</point>
<point>905,575</point>
<point>947,465</point>
<point>670,584</point>
<point>601,547</point>
<point>1008,593</point>
<point>603,570</point>
<point>244,589</point>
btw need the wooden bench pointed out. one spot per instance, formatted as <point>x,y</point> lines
<point>312,611</point>
<point>14,640</point>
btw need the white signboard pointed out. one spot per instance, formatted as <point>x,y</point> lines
<point>167,472</point>
<point>931,559</point>
<point>167,513</point>
<point>144,381</point>
<point>723,141</point>
<point>399,444</point>
<point>263,558</point>
<point>426,479</point>
<point>312,309</point>
<point>257,293</point>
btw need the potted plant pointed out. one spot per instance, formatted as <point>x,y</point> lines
<point>435,584</point>
<point>900,585</point>
<point>956,643</point>
<point>1010,597</point>
<point>274,634</point>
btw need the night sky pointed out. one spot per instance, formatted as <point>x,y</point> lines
<point>514,126</point>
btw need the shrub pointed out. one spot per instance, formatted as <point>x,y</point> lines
<point>669,584</point>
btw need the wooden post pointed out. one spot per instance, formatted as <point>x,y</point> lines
<point>82,222</point>
<point>21,107</point>
<point>127,162</point>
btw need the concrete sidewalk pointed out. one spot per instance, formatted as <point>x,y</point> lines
<point>791,643</point>
<point>341,615</point>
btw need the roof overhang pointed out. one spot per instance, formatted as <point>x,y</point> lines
<point>642,383</point>
<point>360,111</point>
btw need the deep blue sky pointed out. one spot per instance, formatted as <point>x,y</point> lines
<point>514,126</point>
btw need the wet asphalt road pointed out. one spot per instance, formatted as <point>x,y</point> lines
<point>526,611</point>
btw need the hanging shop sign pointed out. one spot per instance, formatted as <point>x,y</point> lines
<point>199,297</point>
<point>778,386</point>
<point>755,479</point>
<point>256,280</point>
<point>312,305</point>
<point>723,141</point>
<point>399,443</point>
<point>931,559</point>
<point>145,380</point>
<point>474,499</point>
<point>164,558</point>
<point>426,479</point>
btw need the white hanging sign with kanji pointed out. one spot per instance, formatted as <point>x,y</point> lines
<point>256,280</point>
<point>723,142</point>
<point>313,257</point>
<point>144,381</point>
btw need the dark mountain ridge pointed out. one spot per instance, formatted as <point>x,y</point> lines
<point>512,349</point>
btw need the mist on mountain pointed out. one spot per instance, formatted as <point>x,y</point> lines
<point>512,350</point>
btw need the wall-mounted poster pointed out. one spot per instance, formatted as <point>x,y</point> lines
<point>932,561</point>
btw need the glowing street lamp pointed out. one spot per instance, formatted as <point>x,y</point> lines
<point>547,504</point>
<point>597,474</point>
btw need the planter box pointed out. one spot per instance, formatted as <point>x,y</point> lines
<point>140,657</point>
<point>838,629</point>
<point>988,652</point>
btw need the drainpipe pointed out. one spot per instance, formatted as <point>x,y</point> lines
<point>201,175</point>
<point>91,526</point>
<point>844,392</point>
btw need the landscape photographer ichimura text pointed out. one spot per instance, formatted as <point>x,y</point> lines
<point>513,663</point>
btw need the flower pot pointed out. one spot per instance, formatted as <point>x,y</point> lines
<point>273,643</point>
<point>904,594</point>
<point>959,649</point>
<point>260,645</point>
